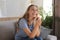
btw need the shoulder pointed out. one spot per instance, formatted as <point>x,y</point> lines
<point>22,23</point>
<point>23,20</point>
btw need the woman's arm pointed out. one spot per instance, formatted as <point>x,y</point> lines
<point>38,33</point>
<point>39,30</point>
<point>34,32</point>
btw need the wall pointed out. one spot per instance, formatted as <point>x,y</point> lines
<point>38,2</point>
<point>14,8</point>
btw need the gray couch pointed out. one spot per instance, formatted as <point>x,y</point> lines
<point>8,28</point>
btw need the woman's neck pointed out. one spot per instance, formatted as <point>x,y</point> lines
<point>30,21</point>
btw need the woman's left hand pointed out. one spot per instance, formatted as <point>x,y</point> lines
<point>38,33</point>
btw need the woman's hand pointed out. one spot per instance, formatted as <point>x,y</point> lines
<point>38,33</point>
<point>38,22</point>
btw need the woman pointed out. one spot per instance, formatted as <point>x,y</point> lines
<point>29,25</point>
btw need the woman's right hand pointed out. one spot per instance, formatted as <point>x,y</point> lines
<point>38,21</point>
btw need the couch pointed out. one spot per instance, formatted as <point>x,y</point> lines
<point>8,28</point>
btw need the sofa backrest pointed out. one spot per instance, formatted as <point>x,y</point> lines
<point>7,28</point>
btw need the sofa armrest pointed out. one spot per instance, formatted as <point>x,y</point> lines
<point>51,37</point>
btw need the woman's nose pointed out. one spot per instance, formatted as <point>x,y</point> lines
<point>34,11</point>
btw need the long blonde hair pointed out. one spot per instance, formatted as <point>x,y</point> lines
<point>26,15</point>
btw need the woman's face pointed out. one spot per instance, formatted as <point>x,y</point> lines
<point>33,11</point>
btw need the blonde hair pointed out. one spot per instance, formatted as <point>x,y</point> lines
<point>26,15</point>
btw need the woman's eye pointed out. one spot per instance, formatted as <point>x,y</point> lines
<point>36,9</point>
<point>32,9</point>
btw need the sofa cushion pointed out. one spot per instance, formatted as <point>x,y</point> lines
<point>7,30</point>
<point>51,37</point>
<point>45,32</point>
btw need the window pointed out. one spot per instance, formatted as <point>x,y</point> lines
<point>47,6</point>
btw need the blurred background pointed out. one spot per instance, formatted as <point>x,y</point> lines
<point>48,9</point>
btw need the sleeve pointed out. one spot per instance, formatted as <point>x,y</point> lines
<point>23,24</point>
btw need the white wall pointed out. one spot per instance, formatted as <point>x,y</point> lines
<point>0,13</point>
<point>3,10</point>
<point>13,8</point>
<point>16,7</point>
<point>38,2</point>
